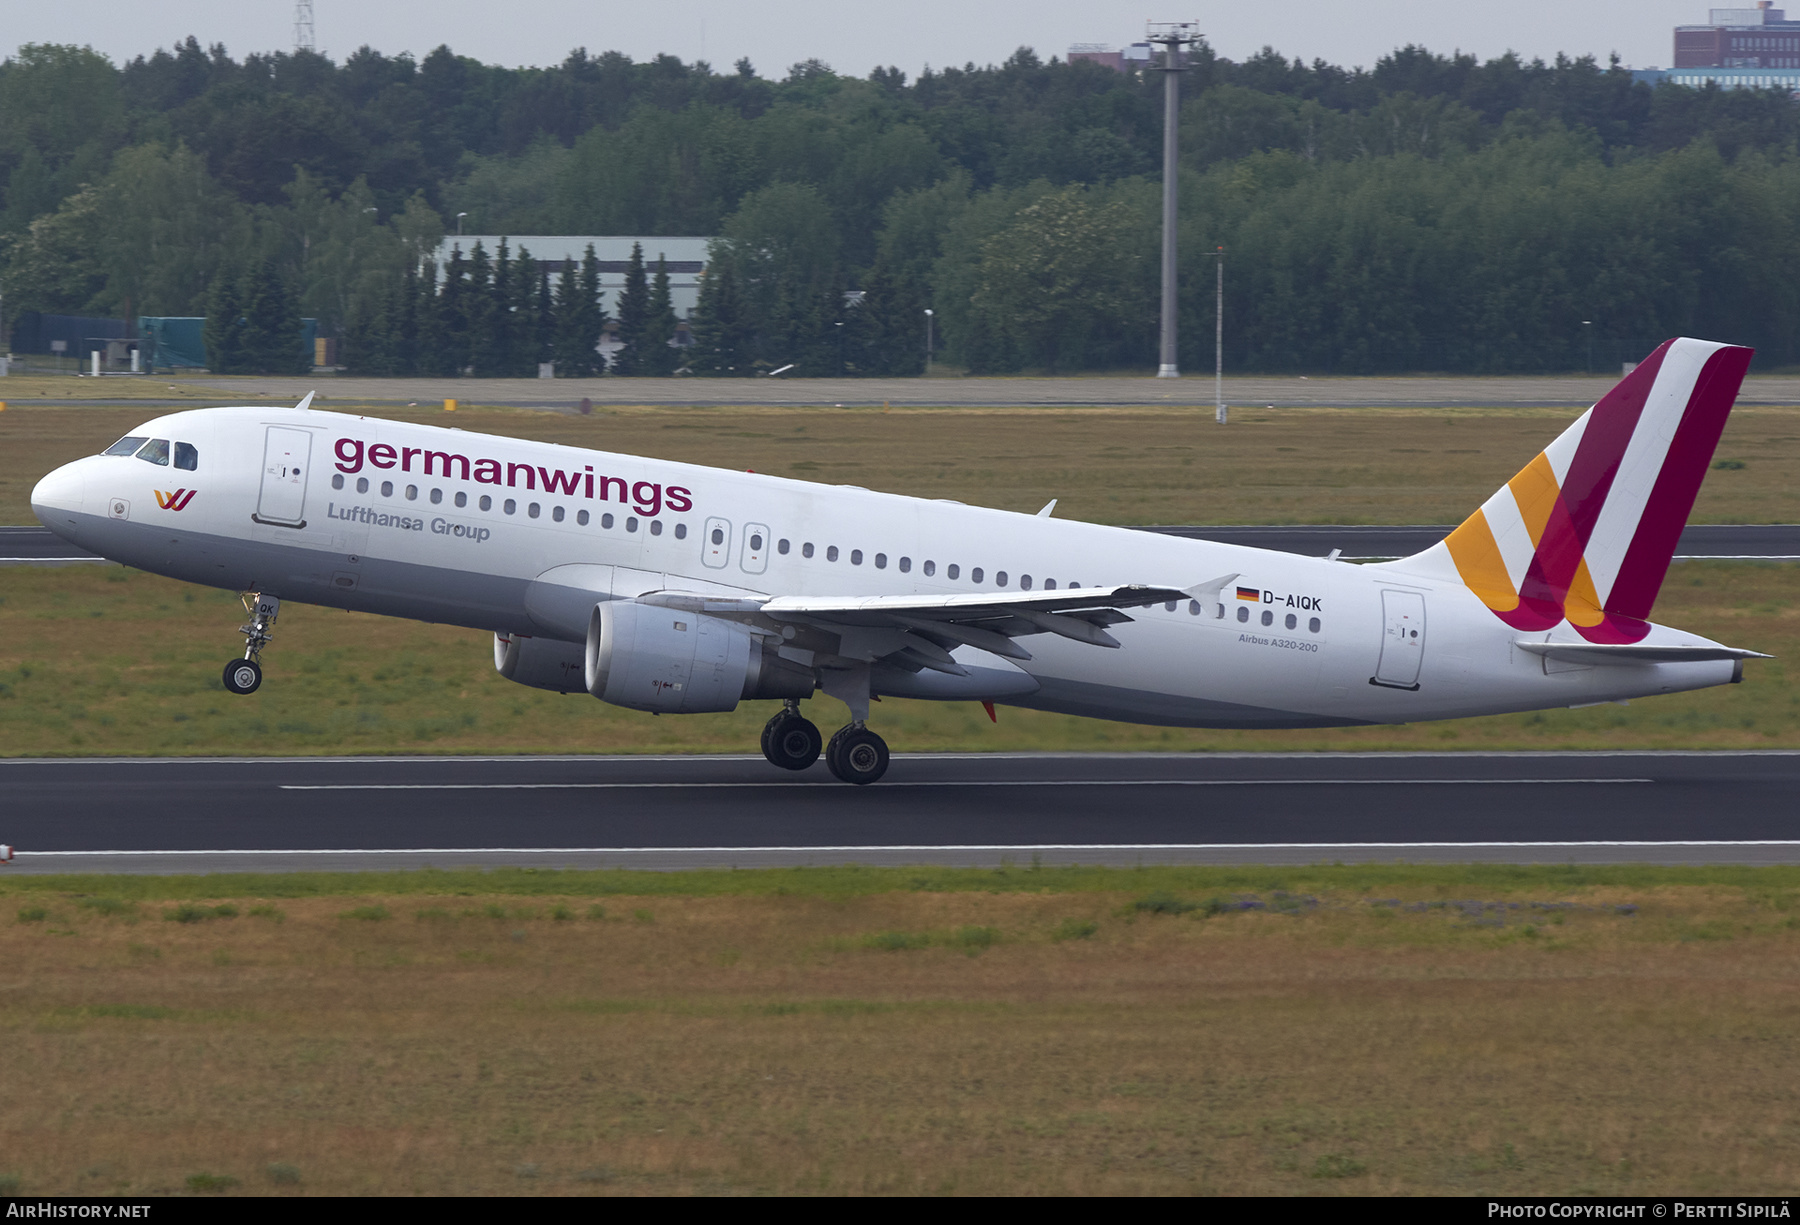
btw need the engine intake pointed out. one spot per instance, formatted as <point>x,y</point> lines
<point>649,658</point>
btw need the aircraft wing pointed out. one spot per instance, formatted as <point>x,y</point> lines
<point>920,631</point>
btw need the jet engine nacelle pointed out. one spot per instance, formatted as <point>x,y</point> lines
<point>542,663</point>
<point>649,658</point>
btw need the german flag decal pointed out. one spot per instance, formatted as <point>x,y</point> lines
<point>1253,594</point>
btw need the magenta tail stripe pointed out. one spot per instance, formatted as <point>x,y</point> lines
<point>1678,483</point>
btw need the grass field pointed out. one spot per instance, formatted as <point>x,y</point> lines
<point>1360,465</point>
<point>1321,1031</point>
<point>105,660</point>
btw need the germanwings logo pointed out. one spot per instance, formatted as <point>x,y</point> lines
<point>1586,531</point>
<point>174,501</point>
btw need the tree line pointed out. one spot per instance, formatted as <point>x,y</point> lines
<point>1430,213</point>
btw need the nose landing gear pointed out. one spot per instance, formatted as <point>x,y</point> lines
<point>245,675</point>
<point>789,740</point>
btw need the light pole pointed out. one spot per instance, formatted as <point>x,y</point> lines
<point>1173,35</point>
<point>1587,330</point>
<point>459,218</point>
<point>1219,339</point>
<point>928,317</point>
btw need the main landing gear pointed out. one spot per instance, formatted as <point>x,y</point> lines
<point>245,675</point>
<point>855,754</point>
<point>790,741</point>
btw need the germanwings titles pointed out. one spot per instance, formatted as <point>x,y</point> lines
<point>679,589</point>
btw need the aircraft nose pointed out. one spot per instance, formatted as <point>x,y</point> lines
<point>64,490</point>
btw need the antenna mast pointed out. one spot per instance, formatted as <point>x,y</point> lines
<point>303,26</point>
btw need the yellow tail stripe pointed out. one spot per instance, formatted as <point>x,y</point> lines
<point>1535,490</point>
<point>1479,563</point>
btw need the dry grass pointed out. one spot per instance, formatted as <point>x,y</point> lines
<point>1360,465</point>
<point>910,1041</point>
<point>104,660</point>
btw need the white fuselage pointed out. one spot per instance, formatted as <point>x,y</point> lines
<point>279,505</point>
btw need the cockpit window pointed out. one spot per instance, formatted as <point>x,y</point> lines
<point>127,445</point>
<point>187,455</point>
<point>156,451</point>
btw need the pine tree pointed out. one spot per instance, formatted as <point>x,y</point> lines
<point>660,357</point>
<point>543,330</point>
<point>578,319</point>
<point>406,327</point>
<point>223,331</point>
<point>634,311</point>
<point>449,317</point>
<point>887,329</point>
<point>272,341</point>
<point>489,315</point>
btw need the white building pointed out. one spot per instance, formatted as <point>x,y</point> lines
<point>686,259</point>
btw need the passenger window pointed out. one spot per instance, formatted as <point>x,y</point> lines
<point>387,491</point>
<point>881,561</point>
<point>954,570</point>
<point>1000,578</point>
<point>412,493</point>
<point>487,503</point>
<point>655,524</point>
<point>462,499</point>
<point>1025,582</point>
<point>756,542</point>
<point>930,568</point>
<point>975,575</point>
<point>362,485</point>
<point>631,525</point>
<point>1049,584</point>
<point>509,506</point>
<point>1243,613</point>
<point>781,546</point>
<point>831,553</point>
<point>1193,608</point>
<point>718,535</point>
<point>1291,621</point>
<point>437,496</point>
<point>1313,625</point>
<point>905,565</point>
<point>1268,618</point>
<point>156,451</point>
<point>187,456</point>
<point>337,480</point>
<point>856,557</point>
<point>556,513</point>
<point>532,510</point>
<point>680,530</point>
<point>606,520</point>
<point>127,445</point>
<point>806,550</point>
<point>581,517</point>
<point>1169,606</point>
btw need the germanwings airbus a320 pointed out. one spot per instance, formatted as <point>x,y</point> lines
<point>678,589</point>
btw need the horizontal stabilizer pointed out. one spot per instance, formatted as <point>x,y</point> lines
<point>1633,653</point>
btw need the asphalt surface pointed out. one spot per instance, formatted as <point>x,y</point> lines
<point>36,545</point>
<point>174,815</point>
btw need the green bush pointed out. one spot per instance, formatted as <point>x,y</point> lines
<point>367,914</point>
<point>210,1182</point>
<point>1075,929</point>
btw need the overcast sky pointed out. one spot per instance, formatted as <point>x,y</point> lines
<point>853,38</point>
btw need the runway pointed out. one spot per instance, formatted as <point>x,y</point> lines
<point>1765,541</point>
<point>284,814</point>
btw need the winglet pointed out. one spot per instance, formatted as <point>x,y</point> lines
<point>1048,507</point>
<point>1212,586</point>
<point>307,402</point>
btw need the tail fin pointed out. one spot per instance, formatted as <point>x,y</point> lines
<point>1585,532</point>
